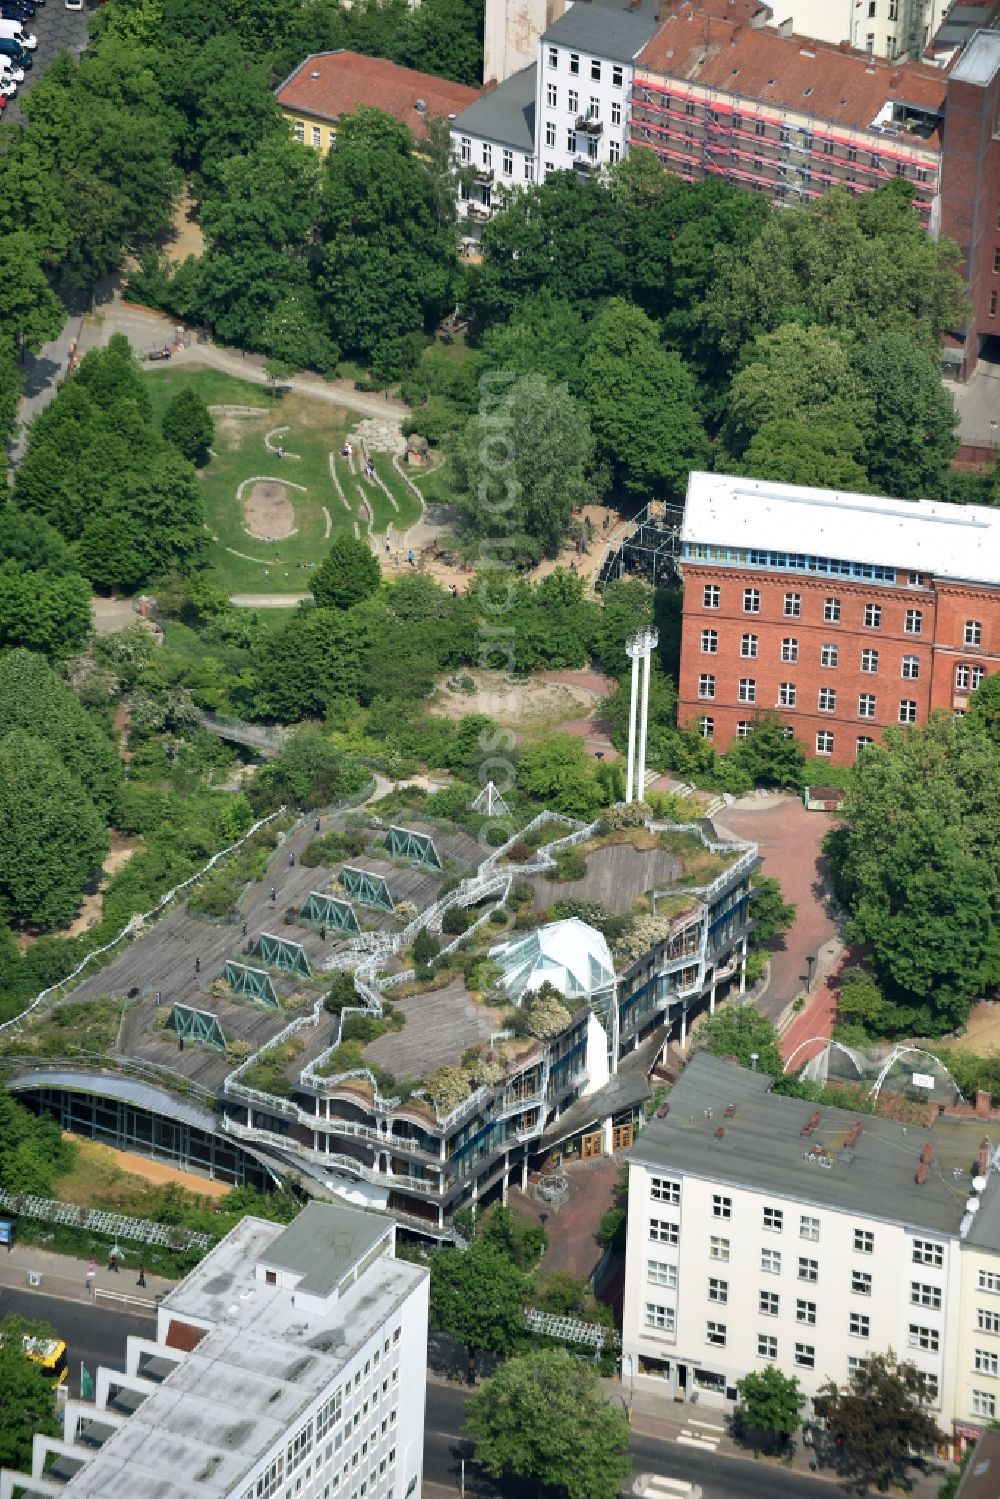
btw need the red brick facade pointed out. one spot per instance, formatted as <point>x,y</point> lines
<point>835,657</point>
<point>970,204</point>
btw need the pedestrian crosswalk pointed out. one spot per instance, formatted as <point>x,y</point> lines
<point>658,1486</point>
<point>705,1435</point>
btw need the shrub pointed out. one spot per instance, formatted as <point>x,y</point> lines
<point>498,916</point>
<point>425,948</point>
<point>456,920</point>
<point>342,995</point>
<point>521,895</point>
<point>362,1028</point>
<point>519,852</point>
<point>570,865</point>
<point>447,1087</point>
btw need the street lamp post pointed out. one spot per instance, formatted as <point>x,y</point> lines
<point>638,647</point>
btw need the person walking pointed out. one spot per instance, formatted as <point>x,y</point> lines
<point>142,1277</point>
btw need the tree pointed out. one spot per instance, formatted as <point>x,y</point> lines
<point>799,451</point>
<point>544,1418</point>
<point>769,755</point>
<point>30,312</point>
<point>388,266</point>
<point>543,337</point>
<point>910,422</point>
<point>555,770</point>
<point>525,465</point>
<point>156,524</point>
<point>34,699</point>
<point>984,707</point>
<point>642,403</point>
<point>32,1149</point>
<point>914,863</point>
<point>879,1423</point>
<point>43,611</point>
<point>796,374</point>
<point>741,1032</point>
<point>523,1243</point>
<point>348,574</point>
<point>54,838</point>
<point>770,1402</point>
<point>28,1405</point>
<point>188,424</point>
<point>860,1001</point>
<point>771,913</point>
<point>478,1297</point>
<point>316,658</point>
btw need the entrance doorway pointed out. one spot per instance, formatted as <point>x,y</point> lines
<point>621,1137</point>
<point>592,1145</point>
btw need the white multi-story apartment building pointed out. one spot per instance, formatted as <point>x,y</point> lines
<point>290,1362</point>
<point>764,1229</point>
<point>585,68</point>
<point>494,144</point>
<point>886,28</point>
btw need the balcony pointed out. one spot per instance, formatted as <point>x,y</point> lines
<point>479,213</point>
<point>589,124</point>
<point>484,176</point>
<point>584,163</point>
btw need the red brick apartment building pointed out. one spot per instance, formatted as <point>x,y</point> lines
<point>791,118</point>
<point>843,613</point>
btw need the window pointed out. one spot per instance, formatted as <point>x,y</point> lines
<point>738,125</point>
<point>984,1361</point>
<point>595,70</point>
<point>706,685</point>
<point>859,1325</point>
<point>828,655</point>
<point>809,1229</point>
<point>718,1290</point>
<point>926,1252</point>
<point>993,304</point>
<point>873,616</point>
<point>864,1241</point>
<point>744,729</point>
<point>831,611</point>
<point>911,668</point>
<point>706,727</point>
<point>808,1269</point>
<point>529,169</point>
<point>690,107</point>
<point>927,1338</point>
<point>984,1404</point>
<point>573,102</point>
<point>663,1189</point>
<point>747,690</point>
<point>571,141</point>
<point>924,1295</point>
<point>616,113</point>
<point>553,57</point>
<point>715,1333</point>
<point>574,63</point>
<point>989,1280</point>
<point>315,135</point>
<point>986,1321</point>
<point>852,153</point>
<point>767,1347</point>
<point>662,1274</point>
<point>862,742</point>
<point>711,596</point>
<point>996,259</point>
<point>614,151</point>
<point>751,601</point>
<point>793,605</point>
<point>861,1283</point>
<point>774,1219</point>
<point>805,1311</point>
<point>770,1261</point>
<point>913,621</point>
<point>710,642</point>
<point>827,700</point>
<point>789,649</point>
<point>659,1317</point>
<point>616,77</point>
<point>508,163</point>
<point>594,108</point>
<point>869,661</point>
<point>767,1303</point>
<point>748,646</point>
<point>977,677</point>
<point>962,678</point>
<point>722,1207</point>
<point>551,95</point>
<point>973,632</point>
<point>759,127</point>
<point>907,711</point>
<point>550,134</point>
<point>805,1355</point>
<point>662,1232</point>
<point>866,705</point>
<point>786,695</point>
<point>718,1249</point>
<point>828,148</point>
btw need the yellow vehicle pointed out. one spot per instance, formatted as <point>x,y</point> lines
<point>50,1353</point>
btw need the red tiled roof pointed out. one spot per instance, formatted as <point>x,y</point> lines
<point>791,72</point>
<point>345,81</point>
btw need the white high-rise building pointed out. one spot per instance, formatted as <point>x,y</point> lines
<point>278,1369</point>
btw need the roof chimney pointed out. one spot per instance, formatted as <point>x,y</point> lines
<point>854,1135</point>
<point>735,34</point>
<point>984,1157</point>
<point>719,1132</point>
<point>730,1110</point>
<point>927,1154</point>
<point>983,1101</point>
<point>921,1175</point>
<point>814,1119</point>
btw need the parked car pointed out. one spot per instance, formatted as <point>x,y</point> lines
<point>74,4</point>
<point>15,10</point>
<point>13,27</point>
<point>11,71</point>
<point>18,55</point>
<point>163,353</point>
<point>8,86</point>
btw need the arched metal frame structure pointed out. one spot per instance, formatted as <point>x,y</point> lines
<point>367,889</point>
<point>406,843</point>
<point>250,983</point>
<point>327,911</point>
<point>278,952</point>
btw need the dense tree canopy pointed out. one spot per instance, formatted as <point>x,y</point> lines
<point>28,1405</point>
<point>348,574</point>
<point>34,699</point>
<point>879,1423</point>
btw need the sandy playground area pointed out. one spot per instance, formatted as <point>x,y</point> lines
<point>524,707</point>
<point>982,1032</point>
<point>269,513</point>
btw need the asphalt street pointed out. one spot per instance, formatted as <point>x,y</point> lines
<point>96,1334</point>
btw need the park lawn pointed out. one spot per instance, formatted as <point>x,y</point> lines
<point>240,562</point>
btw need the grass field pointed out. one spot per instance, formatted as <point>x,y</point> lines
<point>241,562</point>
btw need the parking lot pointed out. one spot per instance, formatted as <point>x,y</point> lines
<point>58,30</point>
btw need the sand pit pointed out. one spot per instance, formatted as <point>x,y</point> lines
<point>269,514</point>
